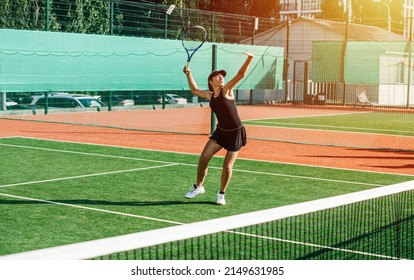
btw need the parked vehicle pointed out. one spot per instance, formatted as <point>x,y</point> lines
<point>119,101</point>
<point>66,100</point>
<point>10,102</point>
<point>127,102</point>
<point>173,99</point>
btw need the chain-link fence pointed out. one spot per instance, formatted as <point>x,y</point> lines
<point>127,18</point>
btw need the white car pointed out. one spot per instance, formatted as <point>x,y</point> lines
<point>63,100</point>
<point>127,102</point>
<point>173,99</point>
<point>10,102</point>
<point>122,102</point>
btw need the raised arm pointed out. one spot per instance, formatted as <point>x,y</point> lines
<point>241,73</point>
<point>193,85</point>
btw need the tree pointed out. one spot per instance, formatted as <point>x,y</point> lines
<point>368,12</point>
<point>376,13</point>
<point>397,20</point>
<point>365,12</point>
<point>223,6</point>
<point>22,14</point>
<point>333,10</point>
<point>264,8</point>
<point>89,16</point>
<point>258,8</point>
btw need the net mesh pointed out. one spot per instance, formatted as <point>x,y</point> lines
<point>378,229</point>
<point>375,224</point>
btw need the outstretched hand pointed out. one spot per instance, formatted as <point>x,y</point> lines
<point>248,54</point>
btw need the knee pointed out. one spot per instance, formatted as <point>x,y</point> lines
<point>204,159</point>
<point>227,168</point>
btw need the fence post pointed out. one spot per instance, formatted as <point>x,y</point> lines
<point>46,103</point>
<point>343,62</point>
<point>163,100</point>
<point>409,61</point>
<point>111,20</point>
<point>166,27</point>
<point>213,67</point>
<point>212,35</point>
<point>110,101</point>
<point>255,27</point>
<point>286,61</point>
<point>47,16</point>
<point>3,101</point>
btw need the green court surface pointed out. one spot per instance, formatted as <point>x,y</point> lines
<point>368,122</point>
<point>56,193</point>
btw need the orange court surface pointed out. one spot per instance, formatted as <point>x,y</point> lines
<point>168,130</point>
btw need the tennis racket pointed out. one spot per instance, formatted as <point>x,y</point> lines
<point>193,38</point>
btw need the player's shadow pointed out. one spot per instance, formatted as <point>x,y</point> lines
<point>103,202</point>
<point>377,155</point>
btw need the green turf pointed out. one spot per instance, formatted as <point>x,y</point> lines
<point>85,180</point>
<point>372,122</point>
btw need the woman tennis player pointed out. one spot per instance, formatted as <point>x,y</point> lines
<point>230,133</point>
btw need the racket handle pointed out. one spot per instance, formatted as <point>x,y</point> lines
<point>188,63</point>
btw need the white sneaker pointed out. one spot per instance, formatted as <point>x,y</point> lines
<point>195,191</point>
<point>220,199</point>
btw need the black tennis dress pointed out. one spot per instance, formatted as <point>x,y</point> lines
<point>230,132</point>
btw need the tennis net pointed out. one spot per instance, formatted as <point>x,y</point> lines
<point>373,224</point>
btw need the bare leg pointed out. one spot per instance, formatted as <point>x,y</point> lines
<point>227,172</point>
<point>210,149</point>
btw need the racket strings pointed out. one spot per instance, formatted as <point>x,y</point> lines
<point>194,37</point>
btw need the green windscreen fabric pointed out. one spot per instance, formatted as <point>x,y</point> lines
<point>326,61</point>
<point>32,61</point>
<point>364,61</point>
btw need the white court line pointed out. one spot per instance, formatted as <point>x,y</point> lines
<point>264,120</point>
<point>316,245</point>
<point>101,247</point>
<point>196,154</point>
<point>139,216</point>
<point>87,175</point>
<point>178,223</point>
<point>81,153</point>
<point>320,126</point>
<point>187,164</point>
<point>89,208</point>
<point>301,116</point>
<point>307,177</point>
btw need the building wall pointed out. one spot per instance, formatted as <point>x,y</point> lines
<point>296,8</point>
<point>302,34</point>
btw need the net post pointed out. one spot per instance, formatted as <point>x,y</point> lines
<point>213,67</point>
